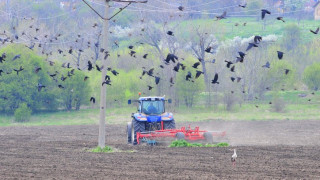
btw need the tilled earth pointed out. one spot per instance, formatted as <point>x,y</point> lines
<point>266,150</point>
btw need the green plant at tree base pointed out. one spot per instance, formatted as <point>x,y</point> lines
<point>23,113</point>
<point>98,149</point>
<point>184,143</point>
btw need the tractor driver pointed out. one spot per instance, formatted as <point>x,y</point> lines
<point>152,109</point>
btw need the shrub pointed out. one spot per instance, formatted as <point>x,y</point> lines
<point>105,149</point>
<point>184,143</point>
<point>311,76</point>
<point>278,104</point>
<point>229,101</point>
<point>23,113</point>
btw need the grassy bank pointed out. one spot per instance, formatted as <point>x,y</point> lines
<point>247,112</point>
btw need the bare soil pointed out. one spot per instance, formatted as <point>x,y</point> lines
<point>266,150</point>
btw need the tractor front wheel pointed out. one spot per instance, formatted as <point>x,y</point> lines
<point>136,126</point>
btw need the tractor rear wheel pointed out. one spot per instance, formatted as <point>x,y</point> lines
<point>208,137</point>
<point>180,135</point>
<point>129,126</point>
<point>136,126</point>
<point>169,124</point>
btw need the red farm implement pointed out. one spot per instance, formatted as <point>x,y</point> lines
<point>188,134</point>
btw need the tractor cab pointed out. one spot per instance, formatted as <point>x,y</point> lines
<point>151,106</point>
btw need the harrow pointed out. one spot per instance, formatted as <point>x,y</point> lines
<point>184,133</point>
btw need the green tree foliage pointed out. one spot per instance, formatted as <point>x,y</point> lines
<point>291,37</point>
<point>311,76</point>
<point>75,90</point>
<point>187,90</point>
<point>23,113</point>
<point>253,6</point>
<point>16,89</point>
<point>126,86</point>
<point>277,77</point>
<point>23,88</point>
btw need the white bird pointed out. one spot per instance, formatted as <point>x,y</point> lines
<point>234,157</point>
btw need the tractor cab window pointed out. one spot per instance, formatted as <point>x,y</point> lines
<point>153,107</point>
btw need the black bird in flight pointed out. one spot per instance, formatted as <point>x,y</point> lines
<point>208,49</point>
<point>145,56</point>
<point>19,70</point>
<point>228,63</point>
<point>188,76</point>
<point>215,79</point>
<point>264,12</point>
<point>90,67</point>
<point>157,79</point>
<point>251,45</point>
<point>222,16</point>
<point>99,68</point>
<point>107,78</point>
<point>63,78</point>
<point>52,75</point>
<point>241,54</point>
<point>171,57</point>
<point>2,59</point>
<point>280,19</point>
<point>267,65</point>
<point>287,71</point>
<point>232,69</point>
<point>280,54</point>
<point>240,59</point>
<point>257,39</point>
<point>195,65</point>
<point>114,72</point>
<point>171,81</point>
<point>93,100</point>
<point>181,8</point>
<point>150,72</point>
<point>198,73</point>
<point>177,67</point>
<point>316,31</point>
<point>170,33</point>
<point>107,82</point>
<point>37,69</point>
<point>16,57</point>
<point>132,53</point>
<point>40,86</point>
<point>243,6</point>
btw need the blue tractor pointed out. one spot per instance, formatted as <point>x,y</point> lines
<point>151,116</point>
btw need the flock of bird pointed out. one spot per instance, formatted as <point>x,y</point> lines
<point>229,64</point>
<point>170,58</point>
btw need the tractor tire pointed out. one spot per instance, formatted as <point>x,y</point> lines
<point>180,135</point>
<point>208,137</point>
<point>129,126</point>
<point>136,126</point>
<point>169,124</point>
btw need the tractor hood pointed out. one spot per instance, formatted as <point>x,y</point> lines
<point>152,118</point>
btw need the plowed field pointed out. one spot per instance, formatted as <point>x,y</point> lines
<point>266,150</point>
